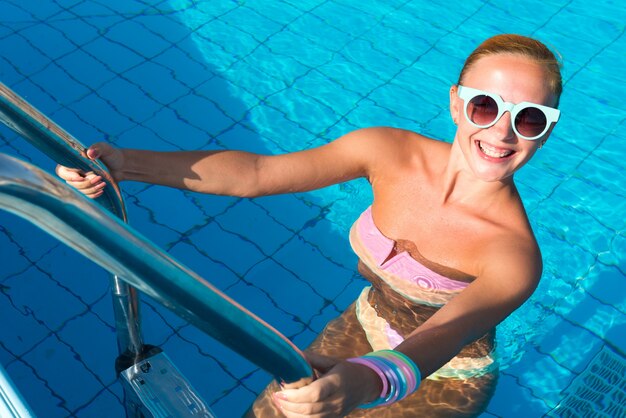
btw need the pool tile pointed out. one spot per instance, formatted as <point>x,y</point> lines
<point>601,204</point>
<point>188,69</point>
<point>229,248</point>
<point>98,352</point>
<point>249,76</point>
<point>512,400</point>
<point>137,38</point>
<point>617,255</point>
<point>289,211</point>
<point>354,22</point>
<point>289,292</point>
<point>137,105</point>
<point>37,392</point>
<point>281,13</point>
<point>318,86</point>
<point>158,323</point>
<point>170,125</point>
<point>116,56</point>
<point>169,29</point>
<point>590,313</point>
<point>105,404</point>
<point>282,127</point>
<point>11,258</point>
<point>241,137</point>
<point>320,31</point>
<point>331,242</point>
<point>197,111</point>
<point>215,273</point>
<point>232,100</point>
<point>282,44</point>
<point>258,301</point>
<point>234,40</point>
<point>58,366</point>
<point>48,41</point>
<point>606,284</point>
<point>546,377</point>
<point>23,54</point>
<point>362,52</point>
<point>81,276</point>
<point>53,304</point>
<point>350,75</point>
<point>312,267</point>
<point>141,219</point>
<point>402,101</point>
<point>84,69</point>
<point>252,222</point>
<point>22,231</point>
<point>235,403</point>
<point>73,27</point>
<point>606,152</point>
<point>201,374</point>
<point>212,351</point>
<point>100,113</point>
<point>45,103</point>
<point>10,74</point>
<point>570,346</point>
<point>22,330</point>
<point>368,114</point>
<point>414,26</point>
<point>167,205</point>
<point>157,82</point>
<point>251,22</point>
<point>13,12</point>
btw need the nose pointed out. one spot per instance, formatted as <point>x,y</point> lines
<point>503,128</point>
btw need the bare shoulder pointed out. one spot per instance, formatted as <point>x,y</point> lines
<point>386,145</point>
<point>513,262</point>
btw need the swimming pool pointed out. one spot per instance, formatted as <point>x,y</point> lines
<point>285,75</point>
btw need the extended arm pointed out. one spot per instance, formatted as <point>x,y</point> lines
<point>239,173</point>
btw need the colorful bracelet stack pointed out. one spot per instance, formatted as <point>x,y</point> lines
<point>398,373</point>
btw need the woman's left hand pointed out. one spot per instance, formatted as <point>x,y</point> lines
<point>342,387</point>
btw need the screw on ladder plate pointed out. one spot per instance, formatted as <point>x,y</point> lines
<point>145,367</point>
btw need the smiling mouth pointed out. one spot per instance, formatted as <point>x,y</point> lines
<point>493,152</point>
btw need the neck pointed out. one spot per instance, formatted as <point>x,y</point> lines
<point>460,185</point>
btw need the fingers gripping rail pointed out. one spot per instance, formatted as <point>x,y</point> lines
<point>63,212</point>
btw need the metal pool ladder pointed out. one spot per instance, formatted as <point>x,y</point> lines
<point>153,385</point>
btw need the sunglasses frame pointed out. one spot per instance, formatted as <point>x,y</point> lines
<point>467,94</point>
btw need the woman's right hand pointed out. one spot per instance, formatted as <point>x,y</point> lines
<point>89,183</point>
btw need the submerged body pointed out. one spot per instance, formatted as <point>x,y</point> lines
<point>406,290</point>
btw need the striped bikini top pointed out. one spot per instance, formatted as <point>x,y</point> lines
<point>402,273</point>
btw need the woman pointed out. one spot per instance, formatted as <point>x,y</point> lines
<point>446,243</point>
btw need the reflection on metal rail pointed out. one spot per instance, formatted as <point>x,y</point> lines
<point>63,148</point>
<point>66,214</point>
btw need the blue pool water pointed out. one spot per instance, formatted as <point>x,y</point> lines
<point>282,76</point>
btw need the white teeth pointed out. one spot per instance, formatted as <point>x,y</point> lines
<point>493,152</point>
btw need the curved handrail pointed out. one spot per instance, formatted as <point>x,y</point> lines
<point>67,215</point>
<point>63,148</point>
<point>55,142</point>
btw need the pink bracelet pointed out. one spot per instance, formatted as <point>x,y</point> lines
<point>371,365</point>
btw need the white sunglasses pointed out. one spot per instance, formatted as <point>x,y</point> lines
<point>483,109</point>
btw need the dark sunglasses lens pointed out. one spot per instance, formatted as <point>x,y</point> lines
<point>482,110</point>
<point>530,122</point>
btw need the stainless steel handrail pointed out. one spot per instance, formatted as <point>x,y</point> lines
<point>63,148</point>
<point>66,214</point>
<point>12,404</point>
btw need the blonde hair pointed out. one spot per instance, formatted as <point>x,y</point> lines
<point>524,46</point>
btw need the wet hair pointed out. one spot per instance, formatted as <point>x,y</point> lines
<point>522,46</point>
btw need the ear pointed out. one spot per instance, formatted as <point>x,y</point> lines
<point>456,104</point>
<point>545,137</point>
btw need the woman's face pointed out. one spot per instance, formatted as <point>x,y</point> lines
<point>495,153</point>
